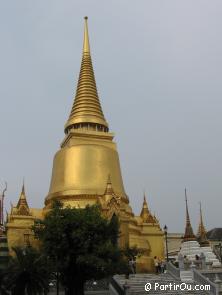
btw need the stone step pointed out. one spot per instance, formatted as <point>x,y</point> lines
<point>137,284</point>
<point>186,276</point>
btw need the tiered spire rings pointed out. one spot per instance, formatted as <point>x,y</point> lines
<point>86,111</point>
<point>202,234</point>
<point>189,235</point>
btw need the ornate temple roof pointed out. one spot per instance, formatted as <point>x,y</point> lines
<point>189,235</point>
<point>145,214</point>
<point>22,205</point>
<point>86,108</point>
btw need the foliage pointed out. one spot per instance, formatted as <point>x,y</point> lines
<point>28,272</point>
<point>82,244</point>
<point>3,290</point>
<point>132,252</point>
<point>114,230</point>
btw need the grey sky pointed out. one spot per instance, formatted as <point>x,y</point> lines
<point>158,67</point>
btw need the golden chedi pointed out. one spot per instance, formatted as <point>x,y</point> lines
<point>86,170</point>
<point>87,155</point>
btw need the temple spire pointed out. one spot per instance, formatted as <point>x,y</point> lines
<point>86,111</point>
<point>23,187</point>
<point>202,234</point>
<point>86,47</point>
<point>145,213</point>
<point>189,235</point>
<point>144,201</point>
<point>22,205</point>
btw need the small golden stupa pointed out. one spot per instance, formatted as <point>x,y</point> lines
<point>86,171</point>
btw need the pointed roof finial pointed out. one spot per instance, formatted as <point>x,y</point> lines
<point>202,234</point>
<point>144,195</point>
<point>22,199</point>
<point>145,205</point>
<point>187,212</point>
<point>145,214</point>
<point>86,47</point>
<point>201,215</point>
<point>23,186</point>
<point>189,235</point>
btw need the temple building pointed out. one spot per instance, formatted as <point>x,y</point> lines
<point>86,171</point>
<point>20,221</point>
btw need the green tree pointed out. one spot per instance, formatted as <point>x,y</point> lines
<point>132,252</point>
<point>82,244</point>
<point>28,272</point>
<point>3,288</point>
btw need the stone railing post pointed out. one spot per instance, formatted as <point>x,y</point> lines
<point>218,283</point>
<point>192,268</point>
<point>126,288</point>
<point>203,260</point>
<point>181,261</point>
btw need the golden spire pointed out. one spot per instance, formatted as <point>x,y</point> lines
<point>22,206</point>
<point>202,234</point>
<point>23,187</point>
<point>86,110</point>
<point>145,213</point>
<point>86,47</point>
<point>189,235</point>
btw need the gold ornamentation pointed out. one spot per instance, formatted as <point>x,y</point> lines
<point>87,156</point>
<point>202,233</point>
<point>145,214</point>
<point>86,111</point>
<point>189,235</point>
<point>22,206</point>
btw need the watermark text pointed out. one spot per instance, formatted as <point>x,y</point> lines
<point>175,287</point>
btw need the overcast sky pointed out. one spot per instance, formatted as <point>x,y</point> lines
<point>158,67</point>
